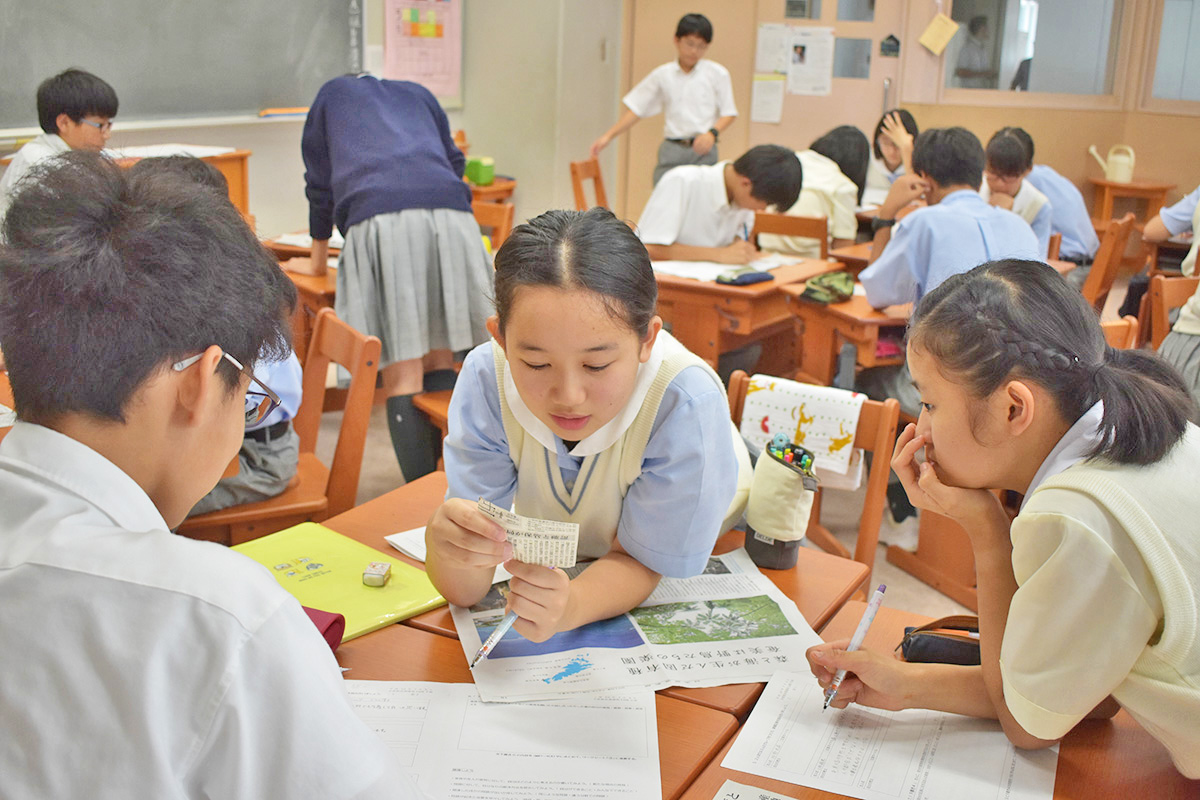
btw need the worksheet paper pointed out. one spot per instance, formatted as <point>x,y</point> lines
<point>456,746</point>
<point>728,625</point>
<point>883,755</point>
<point>731,790</point>
<point>711,270</point>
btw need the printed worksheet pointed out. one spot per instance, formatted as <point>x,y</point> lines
<point>730,624</point>
<point>456,746</point>
<point>884,755</point>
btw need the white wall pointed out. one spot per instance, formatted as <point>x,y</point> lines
<point>1073,47</point>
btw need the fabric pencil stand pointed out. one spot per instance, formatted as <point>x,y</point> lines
<point>781,500</point>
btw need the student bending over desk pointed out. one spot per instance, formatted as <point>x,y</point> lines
<point>583,410</point>
<point>1089,595</point>
<point>706,213</point>
<point>137,663</point>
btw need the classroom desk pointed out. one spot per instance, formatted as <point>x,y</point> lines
<point>497,191</point>
<point>710,318</point>
<point>819,585</point>
<point>825,327</point>
<point>314,293</point>
<point>688,735</point>
<point>1153,192</point>
<point>283,252</point>
<point>1098,759</point>
<point>855,256</point>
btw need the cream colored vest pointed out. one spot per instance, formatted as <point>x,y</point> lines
<point>596,499</point>
<point>1189,314</point>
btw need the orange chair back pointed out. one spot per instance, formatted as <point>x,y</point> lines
<point>497,218</point>
<point>587,170</point>
<point>788,225</point>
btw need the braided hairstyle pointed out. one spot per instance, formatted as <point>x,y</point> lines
<point>1019,319</point>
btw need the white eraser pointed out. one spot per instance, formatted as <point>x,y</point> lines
<point>377,573</point>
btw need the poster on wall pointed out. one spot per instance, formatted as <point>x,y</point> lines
<point>810,64</point>
<point>422,42</point>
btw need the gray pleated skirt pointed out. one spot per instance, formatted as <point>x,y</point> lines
<point>418,279</point>
<point>1182,351</point>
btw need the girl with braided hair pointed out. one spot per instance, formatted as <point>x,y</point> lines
<point>1089,599</point>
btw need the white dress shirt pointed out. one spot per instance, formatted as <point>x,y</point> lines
<point>690,206</point>
<point>692,101</point>
<point>141,664</point>
<point>44,146</point>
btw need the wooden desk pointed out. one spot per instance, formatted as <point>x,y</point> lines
<point>1098,759</point>
<point>819,585</point>
<point>314,292</point>
<point>283,252</point>
<point>855,256</point>
<point>497,191</point>
<point>1153,192</point>
<point>824,328</point>
<point>712,318</point>
<point>688,735</point>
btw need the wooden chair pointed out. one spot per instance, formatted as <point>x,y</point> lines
<point>1122,333</point>
<point>317,491</point>
<point>876,433</point>
<point>460,141</point>
<point>1165,294</point>
<point>1107,261</point>
<point>1053,248</point>
<point>497,218</point>
<point>787,225</point>
<point>587,170</point>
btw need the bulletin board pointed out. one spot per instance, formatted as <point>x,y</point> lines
<point>422,42</point>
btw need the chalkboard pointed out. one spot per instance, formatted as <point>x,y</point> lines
<point>170,59</point>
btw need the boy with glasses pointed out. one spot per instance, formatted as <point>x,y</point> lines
<point>130,307</point>
<point>75,109</point>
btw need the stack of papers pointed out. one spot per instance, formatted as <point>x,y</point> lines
<point>163,150</point>
<point>728,625</point>
<point>711,270</point>
<point>458,747</point>
<point>336,241</point>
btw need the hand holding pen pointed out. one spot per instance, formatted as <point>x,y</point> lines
<point>831,663</point>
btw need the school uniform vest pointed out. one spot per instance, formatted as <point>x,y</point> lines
<point>596,498</point>
<point>1189,314</point>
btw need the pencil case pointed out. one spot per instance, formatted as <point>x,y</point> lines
<point>744,278</point>
<point>943,641</point>
<point>781,500</point>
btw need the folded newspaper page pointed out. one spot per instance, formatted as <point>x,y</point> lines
<point>536,541</point>
<point>729,625</point>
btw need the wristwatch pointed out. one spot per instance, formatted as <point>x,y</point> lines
<point>878,224</point>
<point>716,133</point>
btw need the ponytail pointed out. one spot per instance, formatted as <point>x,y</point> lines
<point>1020,319</point>
<point>1146,406</point>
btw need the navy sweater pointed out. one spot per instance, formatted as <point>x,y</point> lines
<point>372,147</point>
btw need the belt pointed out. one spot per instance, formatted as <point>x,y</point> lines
<point>684,142</point>
<point>270,433</point>
<point>1079,261</point>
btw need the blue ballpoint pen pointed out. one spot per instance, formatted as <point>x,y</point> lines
<point>496,636</point>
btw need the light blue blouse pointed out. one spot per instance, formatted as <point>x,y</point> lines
<point>673,510</point>
<point>935,242</point>
<point>1070,217</point>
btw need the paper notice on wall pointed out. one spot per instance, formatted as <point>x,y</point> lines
<point>938,33</point>
<point>810,61</point>
<point>773,50</point>
<point>766,98</point>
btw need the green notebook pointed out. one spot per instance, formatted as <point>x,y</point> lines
<point>323,569</point>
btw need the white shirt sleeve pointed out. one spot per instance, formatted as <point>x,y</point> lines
<point>284,726</point>
<point>1075,626</point>
<point>663,217</point>
<point>647,98</point>
<point>723,87</point>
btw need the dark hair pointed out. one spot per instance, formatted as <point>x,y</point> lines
<point>847,147</point>
<point>184,167</point>
<point>951,156</point>
<point>1007,155</point>
<point>75,93</point>
<point>906,119</point>
<point>590,250</point>
<point>774,173</point>
<point>1014,318</point>
<point>694,25</point>
<point>107,277</point>
<point>977,24</point>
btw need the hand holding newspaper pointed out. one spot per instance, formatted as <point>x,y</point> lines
<point>536,541</point>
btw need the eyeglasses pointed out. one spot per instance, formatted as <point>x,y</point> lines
<point>103,127</point>
<point>259,405</point>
